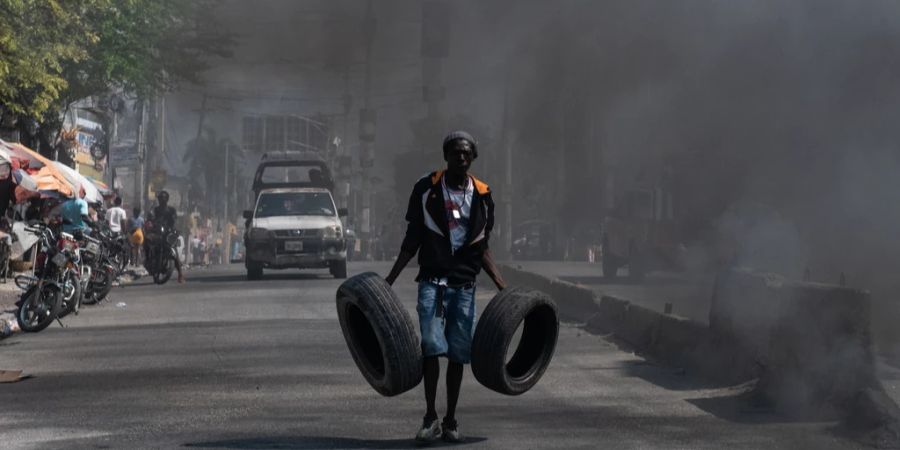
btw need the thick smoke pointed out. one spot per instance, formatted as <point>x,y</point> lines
<point>773,123</point>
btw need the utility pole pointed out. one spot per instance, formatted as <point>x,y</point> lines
<point>202,115</point>
<point>139,189</point>
<point>367,133</point>
<point>161,125</point>
<point>227,240</point>
<point>199,131</point>
<point>113,139</point>
<point>435,47</point>
<point>508,177</point>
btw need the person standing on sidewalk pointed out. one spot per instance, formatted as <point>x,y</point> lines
<point>136,236</point>
<point>450,215</point>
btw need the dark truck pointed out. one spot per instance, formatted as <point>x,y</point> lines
<point>291,169</point>
<point>640,233</point>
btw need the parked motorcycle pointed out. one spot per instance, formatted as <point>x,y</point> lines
<point>97,270</point>
<point>116,246</point>
<point>53,291</point>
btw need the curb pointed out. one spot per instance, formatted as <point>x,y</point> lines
<point>696,347</point>
<point>668,338</point>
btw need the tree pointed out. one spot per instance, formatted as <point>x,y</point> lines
<point>53,53</point>
<point>37,37</point>
<point>145,46</point>
<point>205,157</point>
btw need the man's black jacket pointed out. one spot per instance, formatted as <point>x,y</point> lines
<point>429,233</point>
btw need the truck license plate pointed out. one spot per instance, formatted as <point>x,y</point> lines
<point>293,246</point>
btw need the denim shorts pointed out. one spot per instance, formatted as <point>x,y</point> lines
<point>446,331</point>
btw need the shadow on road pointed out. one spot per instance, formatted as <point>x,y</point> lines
<point>193,278</point>
<point>655,371</point>
<point>746,407</point>
<point>242,278</point>
<point>589,280</point>
<point>314,442</point>
<point>667,377</point>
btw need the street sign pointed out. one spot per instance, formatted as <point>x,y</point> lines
<point>124,154</point>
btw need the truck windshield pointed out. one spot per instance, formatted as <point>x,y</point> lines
<point>292,174</point>
<point>295,204</point>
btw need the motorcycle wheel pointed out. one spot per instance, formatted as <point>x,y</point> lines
<point>72,296</point>
<point>103,285</point>
<point>39,308</point>
<point>119,260</point>
<point>164,273</point>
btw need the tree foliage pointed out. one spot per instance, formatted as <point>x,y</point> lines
<point>37,37</point>
<point>53,52</point>
<point>206,162</point>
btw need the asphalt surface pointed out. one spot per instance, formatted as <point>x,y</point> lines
<point>224,363</point>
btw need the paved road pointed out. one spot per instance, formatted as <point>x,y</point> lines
<point>221,362</point>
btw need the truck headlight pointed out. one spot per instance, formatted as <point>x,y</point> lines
<point>259,233</point>
<point>332,232</point>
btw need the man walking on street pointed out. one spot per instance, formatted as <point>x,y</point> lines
<point>115,216</point>
<point>450,215</point>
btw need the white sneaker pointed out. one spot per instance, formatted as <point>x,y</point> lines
<point>430,431</point>
<point>450,431</point>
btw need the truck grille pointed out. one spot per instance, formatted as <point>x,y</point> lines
<point>296,233</point>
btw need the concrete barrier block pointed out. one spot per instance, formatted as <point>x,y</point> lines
<point>811,341</point>
<point>677,337</point>
<point>744,308</point>
<point>821,346</point>
<point>611,311</point>
<point>639,326</point>
<point>576,303</point>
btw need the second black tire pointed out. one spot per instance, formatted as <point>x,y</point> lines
<point>539,317</point>
<point>380,334</point>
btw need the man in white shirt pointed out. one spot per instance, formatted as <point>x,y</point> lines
<point>115,216</point>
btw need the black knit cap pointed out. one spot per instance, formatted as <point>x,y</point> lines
<point>454,135</point>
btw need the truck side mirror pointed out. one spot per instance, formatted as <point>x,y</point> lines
<point>248,214</point>
<point>342,212</point>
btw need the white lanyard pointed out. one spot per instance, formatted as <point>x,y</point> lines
<point>456,211</point>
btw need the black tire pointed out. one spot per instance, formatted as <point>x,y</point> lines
<point>495,330</point>
<point>163,276</point>
<point>73,303</point>
<point>636,266</point>
<point>609,268</point>
<point>52,300</point>
<point>380,334</point>
<point>254,270</point>
<point>338,269</point>
<point>120,260</point>
<point>88,297</point>
<point>104,285</point>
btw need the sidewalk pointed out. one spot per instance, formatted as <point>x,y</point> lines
<point>690,297</point>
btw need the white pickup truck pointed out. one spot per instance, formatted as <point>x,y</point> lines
<point>295,228</point>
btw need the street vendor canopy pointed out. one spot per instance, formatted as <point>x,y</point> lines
<point>91,193</point>
<point>46,175</point>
